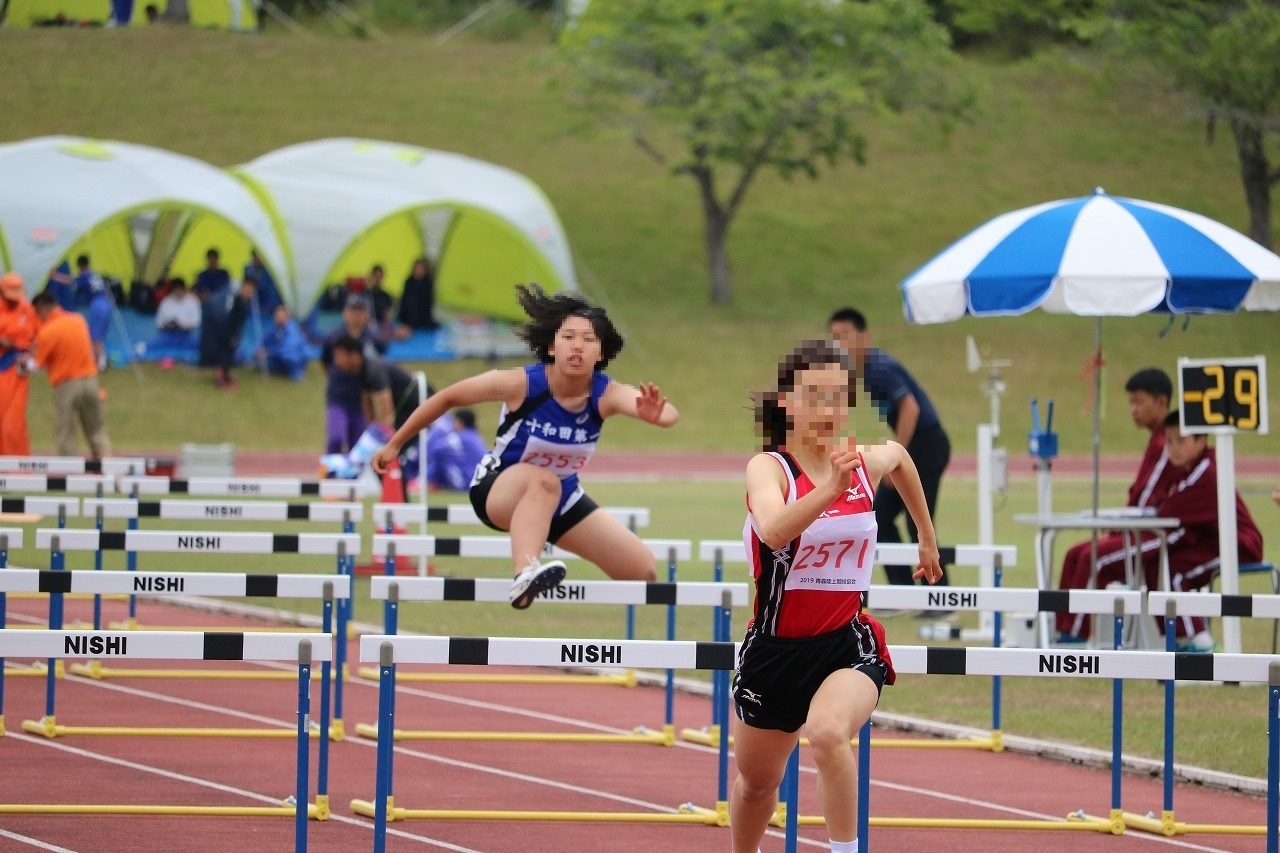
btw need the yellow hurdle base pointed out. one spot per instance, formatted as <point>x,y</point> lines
<point>72,596</point>
<point>1167,826</point>
<point>620,679</point>
<point>994,743</point>
<point>36,670</point>
<point>666,737</point>
<point>229,811</point>
<point>47,727</point>
<point>1073,822</point>
<point>702,817</point>
<point>100,673</point>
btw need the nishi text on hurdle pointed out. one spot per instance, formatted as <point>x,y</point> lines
<point>953,599</point>
<point>565,592</point>
<point>158,584</point>
<point>590,653</point>
<point>95,644</point>
<point>200,543</point>
<point>1066,664</point>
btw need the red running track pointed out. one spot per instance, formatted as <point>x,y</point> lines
<point>471,775</point>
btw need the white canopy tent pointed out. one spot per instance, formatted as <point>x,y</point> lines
<point>138,211</point>
<point>347,204</point>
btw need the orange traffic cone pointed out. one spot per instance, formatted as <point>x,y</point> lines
<point>392,493</point>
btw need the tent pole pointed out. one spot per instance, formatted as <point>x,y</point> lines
<point>129,354</point>
<point>285,20</point>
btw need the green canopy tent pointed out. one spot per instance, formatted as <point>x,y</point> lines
<point>138,212</point>
<point>237,15</point>
<point>346,204</point>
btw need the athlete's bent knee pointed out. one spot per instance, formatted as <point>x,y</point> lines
<point>826,735</point>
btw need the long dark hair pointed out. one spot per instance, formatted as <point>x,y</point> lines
<point>548,313</point>
<point>773,425</point>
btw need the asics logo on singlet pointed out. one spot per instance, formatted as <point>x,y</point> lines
<point>582,418</point>
<point>749,696</point>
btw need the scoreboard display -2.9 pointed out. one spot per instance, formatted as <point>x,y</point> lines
<point>1217,395</point>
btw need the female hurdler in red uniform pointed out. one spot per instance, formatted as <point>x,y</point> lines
<point>811,657</point>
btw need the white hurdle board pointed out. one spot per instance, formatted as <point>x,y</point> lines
<point>196,510</point>
<point>163,645</point>
<point>71,483</point>
<point>1214,604</point>
<point>201,541</point>
<point>569,592</point>
<point>71,465</point>
<point>228,584</point>
<point>918,660</point>
<point>67,507</point>
<point>402,514</point>
<point>407,545</point>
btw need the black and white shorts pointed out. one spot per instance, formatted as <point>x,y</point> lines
<point>777,677</point>
<point>573,507</point>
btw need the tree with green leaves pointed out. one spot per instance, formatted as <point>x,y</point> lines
<point>1226,52</point>
<point>718,90</point>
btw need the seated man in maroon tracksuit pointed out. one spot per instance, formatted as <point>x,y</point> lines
<point>1149,391</point>
<point>1194,546</point>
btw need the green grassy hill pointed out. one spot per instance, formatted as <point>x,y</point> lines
<point>1046,130</point>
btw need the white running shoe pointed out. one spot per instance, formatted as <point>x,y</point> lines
<point>535,578</point>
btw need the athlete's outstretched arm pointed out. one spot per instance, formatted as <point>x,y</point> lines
<point>891,459</point>
<point>644,403</point>
<point>777,521</point>
<point>493,386</point>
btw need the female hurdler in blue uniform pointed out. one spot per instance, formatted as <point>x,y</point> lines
<point>811,657</point>
<point>552,413</point>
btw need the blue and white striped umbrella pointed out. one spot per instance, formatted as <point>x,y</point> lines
<point>1098,256</point>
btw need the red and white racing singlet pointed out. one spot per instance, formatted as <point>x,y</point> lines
<point>814,584</point>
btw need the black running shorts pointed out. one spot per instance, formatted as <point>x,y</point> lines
<point>561,523</point>
<point>777,677</point>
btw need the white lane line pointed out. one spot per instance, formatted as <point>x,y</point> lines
<point>217,786</point>
<point>33,842</point>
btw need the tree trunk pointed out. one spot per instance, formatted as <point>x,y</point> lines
<point>1255,174</point>
<point>716,232</point>
<point>718,259</point>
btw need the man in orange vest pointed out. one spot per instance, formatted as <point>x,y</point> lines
<point>65,350</point>
<point>18,326</point>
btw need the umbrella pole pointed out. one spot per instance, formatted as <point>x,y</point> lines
<point>1097,411</point>
<point>1097,443</point>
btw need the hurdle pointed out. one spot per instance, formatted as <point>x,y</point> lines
<point>634,517</point>
<point>186,542</point>
<point>10,537</point>
<point>1114,664</point>
<point>721,552</point>
<point>1173,605</point>
<point>63,508</point>
<point>388,546</point>
<point>244,487</point>
<point>347,514</point>
<point>301,648</point>
<point>39,484</point>
<point>721,596</point>
<point>112,465</point>
<point>390,651</point>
